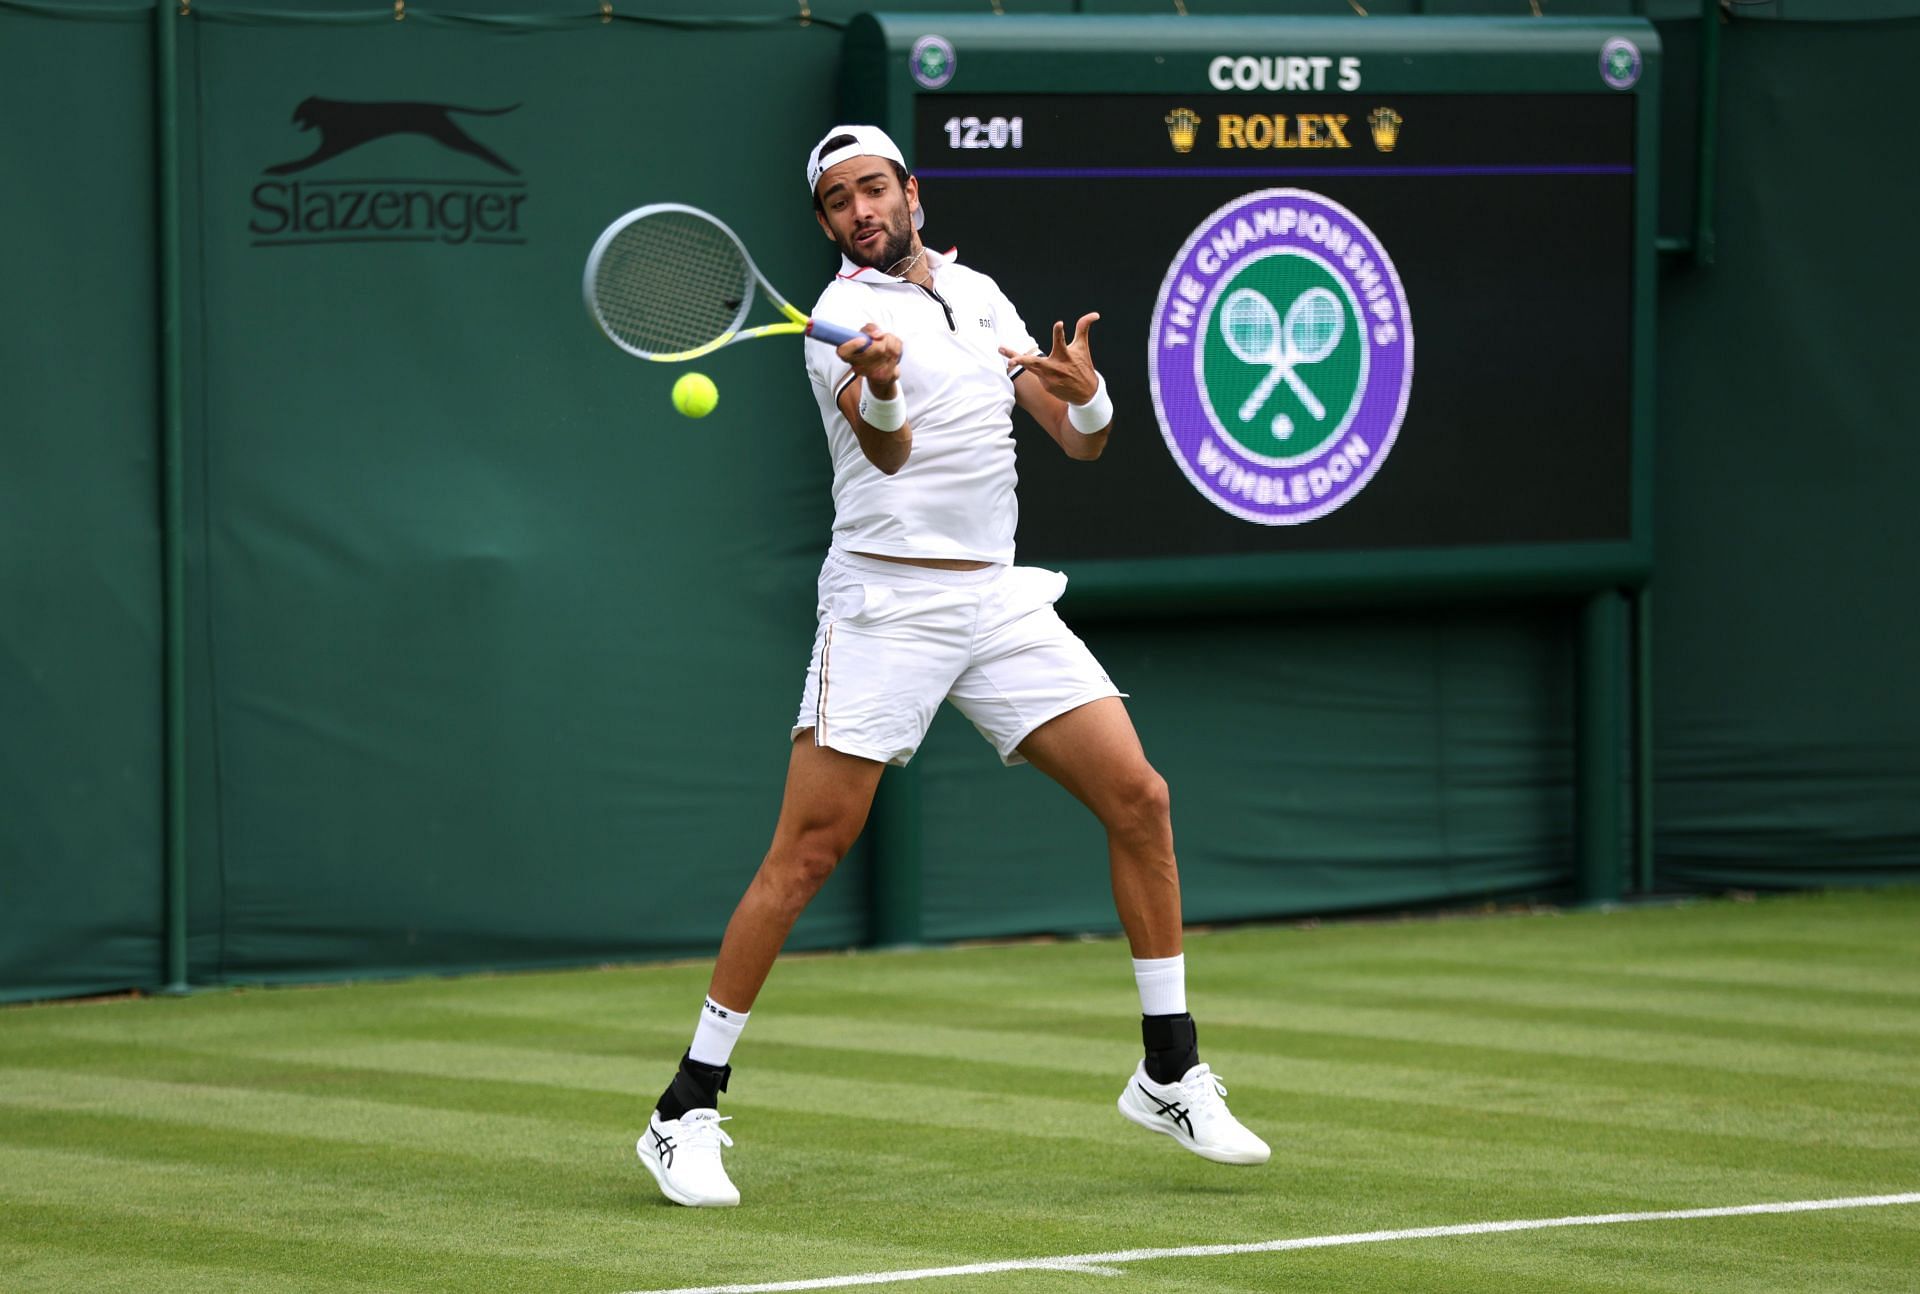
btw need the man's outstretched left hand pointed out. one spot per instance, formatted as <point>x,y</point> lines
<point>1066,370</point>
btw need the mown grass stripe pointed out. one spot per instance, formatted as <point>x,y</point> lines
<point>1553,989</point>
<point>331,1258</point>
<point>444,1077</point>
<point>1881,1032</point>
<point>438,1076</point>
<point>332,1118</point>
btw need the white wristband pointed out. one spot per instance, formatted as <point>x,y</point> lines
<point>883,415</point>
<point>1092,417</point>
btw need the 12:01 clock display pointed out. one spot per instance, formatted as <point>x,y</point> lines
<point>985,132</point>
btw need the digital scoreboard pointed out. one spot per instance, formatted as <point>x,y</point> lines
<point>1375,294</point>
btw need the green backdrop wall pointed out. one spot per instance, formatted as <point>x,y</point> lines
<point>490,657</point>
<point>80,768</point>
<point>1787,717</point>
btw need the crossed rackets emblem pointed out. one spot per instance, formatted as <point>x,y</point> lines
<point>1257,335</point>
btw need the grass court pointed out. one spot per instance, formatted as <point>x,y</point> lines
<point>950,1108</point>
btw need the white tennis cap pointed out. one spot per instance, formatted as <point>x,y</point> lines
<point>868,141</point>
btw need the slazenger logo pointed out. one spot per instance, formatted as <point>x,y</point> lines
<point>396,210</point>
<point>1281,357</point>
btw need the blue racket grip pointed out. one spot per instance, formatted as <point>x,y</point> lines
<point>834,335</point>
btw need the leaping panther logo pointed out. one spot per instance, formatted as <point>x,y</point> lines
<point>345,125</point>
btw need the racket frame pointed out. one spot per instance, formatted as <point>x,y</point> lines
<point>796,323</point>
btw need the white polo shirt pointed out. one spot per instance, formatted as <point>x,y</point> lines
<point>955,496</point>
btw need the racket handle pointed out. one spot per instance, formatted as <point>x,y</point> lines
<point>834,335</point>
<point>1308,398</point>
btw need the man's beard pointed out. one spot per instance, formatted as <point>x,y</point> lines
<point>897,246</point>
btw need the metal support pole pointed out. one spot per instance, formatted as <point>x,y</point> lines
<point>1706,158</point>
<point>1599,714</point>
<point>173,578</point>
<point>895,824</point>
<point>1643,741</point>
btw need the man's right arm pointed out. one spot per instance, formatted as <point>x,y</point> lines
<point>875,384</point>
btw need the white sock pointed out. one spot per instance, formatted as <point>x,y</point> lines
<point>714,1036</point>
<point>1163,984</point>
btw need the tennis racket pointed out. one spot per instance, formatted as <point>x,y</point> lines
<point>669,282</point>
<point>1257,335</point>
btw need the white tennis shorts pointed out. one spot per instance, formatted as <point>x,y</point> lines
<point>894,641</point>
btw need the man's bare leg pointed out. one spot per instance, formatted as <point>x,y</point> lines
<point>825,804</point>
<point>822,810</point>
<point>1095,754</point>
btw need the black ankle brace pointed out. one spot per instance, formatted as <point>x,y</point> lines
<point>695,1087</point>
<point>1172,1045</point>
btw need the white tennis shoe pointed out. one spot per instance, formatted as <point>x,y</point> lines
<point>1194,1113</point>
<point>683,1155</point>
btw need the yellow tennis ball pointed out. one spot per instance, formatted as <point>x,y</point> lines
<point>695,395</point>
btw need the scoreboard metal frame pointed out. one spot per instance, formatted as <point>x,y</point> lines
<point>903,70</point>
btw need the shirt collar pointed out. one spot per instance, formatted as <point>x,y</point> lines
<point>863,274</point>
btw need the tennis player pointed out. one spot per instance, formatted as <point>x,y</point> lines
<point>920,602</point>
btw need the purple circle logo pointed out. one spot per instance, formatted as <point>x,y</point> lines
<point>1281,357</point>
<point>1620,63</point>
<point>932,62</point>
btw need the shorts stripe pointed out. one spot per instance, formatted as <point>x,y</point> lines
<point>820,707</point>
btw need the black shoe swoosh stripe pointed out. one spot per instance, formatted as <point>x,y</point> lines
<point>1173,1110</point>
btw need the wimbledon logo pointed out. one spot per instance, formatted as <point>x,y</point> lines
<point>1281,357</point>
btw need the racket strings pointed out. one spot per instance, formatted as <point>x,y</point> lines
<point>1314,324</point>
<point>672,281</point>
<point>1249,324</point>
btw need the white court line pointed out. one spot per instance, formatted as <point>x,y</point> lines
<point>1096,1262</point>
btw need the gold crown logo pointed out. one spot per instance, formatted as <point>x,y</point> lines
<point>1183,125</point>
<point>1385,123</point>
